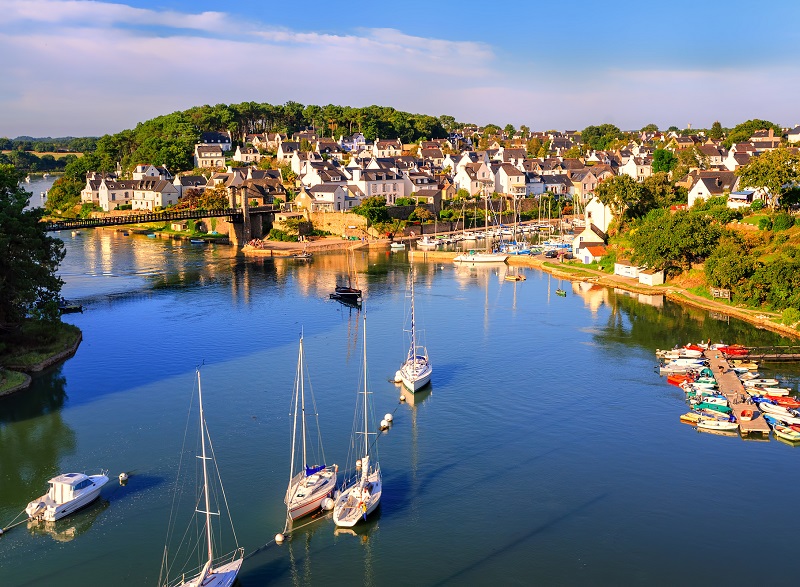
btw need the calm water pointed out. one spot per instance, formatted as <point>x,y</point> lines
<point>36,186</point>
<point>546,451</point>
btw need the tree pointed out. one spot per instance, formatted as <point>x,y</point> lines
<point>509,130</point>
<point>599,137</point>
<point>730,264</point>
<point>742,132</point>
<point>650,128</point>
<point>716,132</point>
<point>422,214</point>
<point>30,258</point>
<point>373,208</point>
<point>664,240</point>
<point>214,199</point>
<point>773,171</point>
<point>663,192</point>
<point>664,160</point>
<point>622,194</point>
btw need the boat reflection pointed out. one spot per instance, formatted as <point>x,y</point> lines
<point>67,529</point>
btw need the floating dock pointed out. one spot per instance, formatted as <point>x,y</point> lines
<point>731,387</point>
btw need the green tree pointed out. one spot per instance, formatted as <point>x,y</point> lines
<point>600,137</point>
<point>665,240</point>
<point>624,195</point>
<point>664,160</point>
<point>774,171</point>
<point>30,258</point>
<point>650,128</point>
<point>742,132</point>
<point>716,132</point>
<point>663,192</point>
<point>509,130</point>
<point>730,264</point>
<point>373,208</point>
<point>422,214</point>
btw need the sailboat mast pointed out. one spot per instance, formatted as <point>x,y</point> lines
<point>486,218</point>
<point>366,431</point>
<point>413,351</point>
<point>205,469</point>
<point>302,402</point>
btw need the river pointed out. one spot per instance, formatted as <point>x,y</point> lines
<point>547,449</point>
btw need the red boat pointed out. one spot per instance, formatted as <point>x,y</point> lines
<point>795,427</point>
<point>746,415</point>
<point>678,378</point>
<point>786,402</point>
<point>694,347</point>
<point>734,350</point>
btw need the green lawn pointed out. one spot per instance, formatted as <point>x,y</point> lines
<point>37,342</point>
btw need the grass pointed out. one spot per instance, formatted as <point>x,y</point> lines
<point>36,342</point>
<point>9,380</point>
<point>753,219</point>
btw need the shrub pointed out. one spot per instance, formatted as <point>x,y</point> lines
<point>757,205</point>
<point>790,317</point>
<point>783,221</point>
<point>765,224</point>
<point>279,235</point>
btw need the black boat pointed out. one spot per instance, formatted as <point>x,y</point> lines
<point>347,294</point>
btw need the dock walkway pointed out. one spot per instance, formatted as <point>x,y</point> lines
<point>731,387</point>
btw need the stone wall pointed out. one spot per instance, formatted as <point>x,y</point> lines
<point>339,224</point>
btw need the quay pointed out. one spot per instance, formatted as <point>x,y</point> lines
<point>731,387</point>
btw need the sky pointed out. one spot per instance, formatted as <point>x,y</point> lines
<point>87,68</point>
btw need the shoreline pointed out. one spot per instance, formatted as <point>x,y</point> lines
<point>25,370</point>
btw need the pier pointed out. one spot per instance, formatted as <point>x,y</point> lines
<point>731,387</point>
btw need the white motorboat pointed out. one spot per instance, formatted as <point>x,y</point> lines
<point>395,246</point>
<point>311,484</point>
<point>362,495</point>
<point>416,371</point>
<point>761,382</point>
<point>68,493</point>
<point>783,414</point>
<point>214,572</point>
<point>428,241</point>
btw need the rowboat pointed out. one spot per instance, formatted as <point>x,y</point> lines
<point>786,402</point>
<point>717,425</point>
<point>786,433</point>
<point>690,418</point>
<point>761,383</point>
<point>746,415</point>
<point>780,391</point>
<point>782,414</point>
<point>715,407</point>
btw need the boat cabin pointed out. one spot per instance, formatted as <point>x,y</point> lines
<point>64,487</point>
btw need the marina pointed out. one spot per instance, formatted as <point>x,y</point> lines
<point>601,502</point>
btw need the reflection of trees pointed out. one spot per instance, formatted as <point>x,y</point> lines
<point>33,438</point>
<point>632,322</point>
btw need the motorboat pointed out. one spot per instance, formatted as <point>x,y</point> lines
<point>395,246</point>
<point>718,425</point>
<point>68,493</point>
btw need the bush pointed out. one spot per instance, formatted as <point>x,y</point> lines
<point>757,206</point>
<point>783,221</point>
<point>790,317</point>
<point>765,224</point>
<point>279,235</point>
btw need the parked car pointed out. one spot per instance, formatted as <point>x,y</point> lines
<point>552,254</point>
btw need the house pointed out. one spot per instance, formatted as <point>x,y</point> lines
<point>590,236</point>
<point>583,184</point>
<point>207,156</point>
<point>325,172</point>
<point>285,151</point>
<point>651,277</point>
<point>153,194</point>
<point>598,214</point>
<point>387,148</point>
<point>765,140</point>
<point>741,198</point>
<point>261,192</point>
<point>625,268</point>
<point>509,180</point>
<point>322,198</point>
<point>218,139</point>
<point>638,168</point>
<point>558,185</point>
<point>477,178</point>
<point>144,171</point>
<point>534,185</point>
<point>712,154</point>
<point>385,183</point>
<point>187,182</point>
<point>735,160</point>
<point>434,156</point>
<point>793,136</point>
<point>355,142</point>
<point>247,155</point>
<point>591,253</point>
<point>300,160</point>
<point>112,194</point>
<point>708,184</point>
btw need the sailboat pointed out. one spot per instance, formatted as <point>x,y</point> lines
<point>219,572</point>
<point>311,484</point>
<point>348,293</point>
<point>358,499</point>
<point>473,256</point>
<point>416,371</point>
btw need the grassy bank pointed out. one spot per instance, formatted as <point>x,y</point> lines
<point>11,380</point>
<point>37,345</point>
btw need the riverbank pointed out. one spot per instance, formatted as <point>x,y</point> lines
<point>672,292</point>
<point>33,352</point>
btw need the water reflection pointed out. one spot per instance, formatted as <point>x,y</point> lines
<point>71,527</point>
<point>34,438</point>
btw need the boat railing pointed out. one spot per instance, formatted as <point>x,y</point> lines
<point>215,564</point>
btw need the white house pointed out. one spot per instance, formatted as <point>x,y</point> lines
<point>625,268</point>
<point>385,183</point>
<point>591,254</point>
<point>638,168</point>
<point>218,139</point>
<point>387,148</point>
<point>476,178</point>
<point>510,180</point>
<point>151,194</point>
<point>113,194</point>
<point>323,198</point>
<point>247,155</point>
<point>206,156</point>
<point>793,136</point>
<point>598,214</point>
<point>145,171</point>
<point>651,277</point>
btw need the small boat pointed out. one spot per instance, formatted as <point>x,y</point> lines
<point>786,432</point>
<point>761,383</point>
<point>786,402</point>
<point>690,418</point>
<point>514,277</point>
<point>720,425</point>
<point>746,415</point>
<point>66,307</point>
<point>785,414</point>
<point>197,241</point>
<point>309,485</point>
<point>304,256</point>
<point>151,235</point>
<point>561,292</point>
<point>428,242</point>
<point>714,407</point>
<point>348,293</point>
<point>397,246</point>
<point>363,494</point>
<point>473,256</point>
<point>779,391</point>
<point>68,493</point>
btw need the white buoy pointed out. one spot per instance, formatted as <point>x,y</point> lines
<point>398,378</point>
<point>388,417</point>
<point>327,504</point>
<point>384,424</point>
<point>279,538</point>
<point>402,398</point>
<point>123,477</point>
<point>358,464</point>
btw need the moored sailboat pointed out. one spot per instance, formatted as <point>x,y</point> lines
<point>416,371</point>
<point>362,495</point>
<point>212,572</point>
<point>311,484</point>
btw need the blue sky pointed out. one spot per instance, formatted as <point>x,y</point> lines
<point>90,68</point>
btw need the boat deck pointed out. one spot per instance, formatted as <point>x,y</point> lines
<point>731,387</point>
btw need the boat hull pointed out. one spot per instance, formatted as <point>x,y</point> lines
<point>53,512</point>
<point>350,509</point>
<point>481,258</point>
<point>299,506</point>
<point>220,576</point>
<point>415,380</point>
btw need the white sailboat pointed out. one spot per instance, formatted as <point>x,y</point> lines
<point>488,256</point>
<point>416,372</point>
<point>213,572</point>
<point>358,499</point>
<point>311,484</point>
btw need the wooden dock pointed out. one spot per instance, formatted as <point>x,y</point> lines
<point>731,387</point>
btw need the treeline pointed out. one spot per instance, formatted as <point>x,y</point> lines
<point>29,162</point>
<point>48,144</point>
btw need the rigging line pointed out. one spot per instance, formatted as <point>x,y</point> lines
<point>222,487</point>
